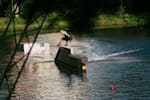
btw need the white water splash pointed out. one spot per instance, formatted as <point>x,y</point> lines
<point>104,57</point>
<point>124,52</point>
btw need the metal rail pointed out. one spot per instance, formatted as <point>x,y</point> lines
<point>14,60</point>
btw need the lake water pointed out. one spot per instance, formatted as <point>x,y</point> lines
<point>118,69</point>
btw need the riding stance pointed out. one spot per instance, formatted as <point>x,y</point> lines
<point>66,37</point>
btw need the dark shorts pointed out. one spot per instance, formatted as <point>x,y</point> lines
<point>66,38</point>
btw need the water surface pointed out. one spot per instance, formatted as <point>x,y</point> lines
<point>121,62</point>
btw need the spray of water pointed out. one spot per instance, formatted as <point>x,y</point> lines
<point>124,52</point>
<point>108,56</point>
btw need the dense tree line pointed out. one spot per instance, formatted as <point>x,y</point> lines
<point>77,12</point>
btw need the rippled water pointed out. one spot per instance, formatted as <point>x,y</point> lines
<point>118,69</point>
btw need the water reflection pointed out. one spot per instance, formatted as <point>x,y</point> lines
<point>46,81</point>
<point>119,62</point>
<point>69,71</point>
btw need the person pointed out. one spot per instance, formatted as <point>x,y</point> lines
<point>66,37</point>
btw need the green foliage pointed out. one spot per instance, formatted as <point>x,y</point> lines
<point>19,24</point>
<point>124,20</point>
<point>78,15</point>
<point>55,22</point>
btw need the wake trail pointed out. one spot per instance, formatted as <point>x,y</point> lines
<point>108,56</point>
<point>124,52</point>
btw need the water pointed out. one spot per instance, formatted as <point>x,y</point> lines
<point>118,62</point>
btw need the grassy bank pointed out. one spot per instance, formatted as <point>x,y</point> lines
<point>20,24</point>
<point>54,24</point>
<point>115,21</point>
